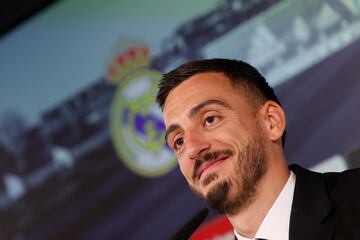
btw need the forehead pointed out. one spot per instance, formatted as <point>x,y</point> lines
<point>197,89</point>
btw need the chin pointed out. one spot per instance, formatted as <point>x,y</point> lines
<point>209,180</point>
<point>217,197</point>
<point>205,190</point>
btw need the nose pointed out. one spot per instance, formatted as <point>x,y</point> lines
<point>196,143</point>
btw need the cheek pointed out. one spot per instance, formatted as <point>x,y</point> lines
<point>230,133</point>
<point>185,167</point>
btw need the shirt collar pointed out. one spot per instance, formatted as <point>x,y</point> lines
<point>278,214</point>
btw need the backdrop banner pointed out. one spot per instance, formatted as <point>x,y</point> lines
<point>82,151</point>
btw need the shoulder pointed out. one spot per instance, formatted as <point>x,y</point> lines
<point>335,194</point>
<point>343,185</point>
<point>343,177</point>
<point>344,192</point>
<point>340,187</point>
<point>331,179</point>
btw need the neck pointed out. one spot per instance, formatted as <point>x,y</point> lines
<point>248,221</point>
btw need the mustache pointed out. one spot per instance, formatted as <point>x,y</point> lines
<point>209,156</point>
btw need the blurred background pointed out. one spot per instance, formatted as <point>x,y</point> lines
<point>82,154</point>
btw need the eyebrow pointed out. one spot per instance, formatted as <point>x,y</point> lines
<point>195,110</point>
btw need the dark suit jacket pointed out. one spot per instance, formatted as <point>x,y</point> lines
<point>325,206</point>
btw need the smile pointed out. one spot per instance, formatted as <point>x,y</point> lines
<point>209,164</point>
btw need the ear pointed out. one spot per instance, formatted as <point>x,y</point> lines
<point>273,117</point>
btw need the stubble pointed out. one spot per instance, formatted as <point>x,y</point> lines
<point>249,168</point>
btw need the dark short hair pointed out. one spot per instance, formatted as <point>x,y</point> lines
<point>240,73</point>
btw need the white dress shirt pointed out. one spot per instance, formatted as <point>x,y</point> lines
<point>276,223</point>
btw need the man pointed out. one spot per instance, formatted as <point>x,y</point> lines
<point>227,129</point>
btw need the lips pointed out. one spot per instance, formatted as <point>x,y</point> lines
<point>208,164</point>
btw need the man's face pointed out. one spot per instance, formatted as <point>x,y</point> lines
<point>219,143</point>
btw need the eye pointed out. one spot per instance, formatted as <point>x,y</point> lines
<point>178,143</point>
<point>211,120</point>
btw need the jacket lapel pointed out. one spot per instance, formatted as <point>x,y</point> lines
<point>310,207</point>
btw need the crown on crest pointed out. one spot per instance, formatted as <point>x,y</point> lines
<point>128,56</point>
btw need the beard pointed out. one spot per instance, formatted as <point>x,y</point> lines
<point>249,168</point>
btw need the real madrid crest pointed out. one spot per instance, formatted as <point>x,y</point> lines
<point>136,124</point>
